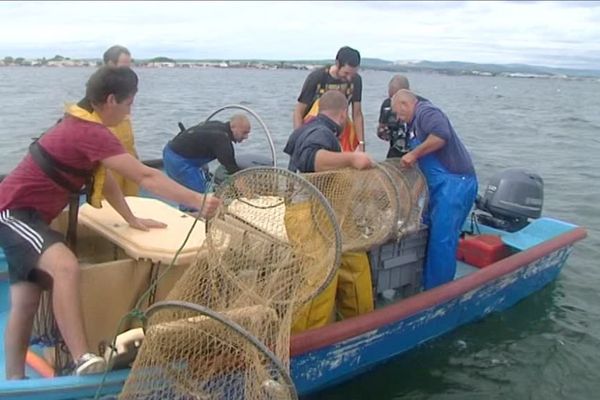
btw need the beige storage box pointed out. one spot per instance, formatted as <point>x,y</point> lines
<point>113,279</point>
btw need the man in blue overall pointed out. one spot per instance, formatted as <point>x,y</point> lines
<point>451,180</point>
<point>185,156</point>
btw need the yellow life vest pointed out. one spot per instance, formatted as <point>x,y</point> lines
<point>124,133</point>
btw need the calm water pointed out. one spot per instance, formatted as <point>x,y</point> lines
<point>548,346</point>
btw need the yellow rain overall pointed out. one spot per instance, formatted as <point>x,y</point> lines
<point>350,288</point>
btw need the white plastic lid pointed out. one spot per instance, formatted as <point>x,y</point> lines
<point>155,244</point>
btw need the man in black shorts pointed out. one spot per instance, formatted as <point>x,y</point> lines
<point>39,188</point>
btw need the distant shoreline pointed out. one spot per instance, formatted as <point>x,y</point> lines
<point>441,68</point>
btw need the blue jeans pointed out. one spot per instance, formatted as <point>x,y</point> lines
<point>185,171</point>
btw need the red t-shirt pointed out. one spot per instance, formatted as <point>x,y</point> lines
<point>74,142</point>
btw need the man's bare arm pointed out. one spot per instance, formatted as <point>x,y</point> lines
<point>359,123</point>
<point>159,184</point>
<point>328,160</point>
<point>431,144</point>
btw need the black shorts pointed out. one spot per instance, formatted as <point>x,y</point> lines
<point>24,236</point>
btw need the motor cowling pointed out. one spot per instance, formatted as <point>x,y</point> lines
<point>510,199</point>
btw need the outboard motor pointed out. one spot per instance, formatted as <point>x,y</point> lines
<point>510,199</point>
<point>243,161</point>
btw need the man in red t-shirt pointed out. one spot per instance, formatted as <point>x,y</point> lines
<point>34,194</point>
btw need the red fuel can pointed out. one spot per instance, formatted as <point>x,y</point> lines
<point>481,250</point>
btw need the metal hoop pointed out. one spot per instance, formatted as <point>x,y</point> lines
<point>323,201</point>
<point>238,329</point>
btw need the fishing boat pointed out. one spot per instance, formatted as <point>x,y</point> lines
<point>327,356</point>
<point>505,258</point>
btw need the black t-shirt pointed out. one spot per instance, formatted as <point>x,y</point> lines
<point>387,104</point>
<point>304,143</point>
<point>207,140</point>
<point>319,81</point>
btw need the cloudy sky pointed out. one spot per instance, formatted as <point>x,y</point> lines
<point>565,34</point>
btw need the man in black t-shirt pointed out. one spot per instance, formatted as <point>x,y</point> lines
<point>342,76</point>
<point>187,153</point>
<point>314,146</point>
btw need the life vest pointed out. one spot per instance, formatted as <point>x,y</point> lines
<point>56,170</point>
<point>348,140</point>
<point>124,133</point>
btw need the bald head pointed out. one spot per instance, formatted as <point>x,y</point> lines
<point>403,104</point>
<point>240,127</point>
<point>333,100</point>
<point>397,82</point>
<point>404,95</point>
<point>334,105</point>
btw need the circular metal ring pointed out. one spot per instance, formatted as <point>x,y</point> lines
<point>235,327</point>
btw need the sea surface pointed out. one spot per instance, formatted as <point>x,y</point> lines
<point>547,346</point>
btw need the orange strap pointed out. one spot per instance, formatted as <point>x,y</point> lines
<point>39,365</point>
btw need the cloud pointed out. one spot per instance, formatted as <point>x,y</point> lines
<point>502,32</point>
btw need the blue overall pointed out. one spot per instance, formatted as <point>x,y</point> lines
<point>451,197</point>
<point>186,171</point>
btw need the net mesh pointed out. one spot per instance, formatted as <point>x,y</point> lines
<point>412,191</point>
<point>275,244</point>
<point>366,204</point>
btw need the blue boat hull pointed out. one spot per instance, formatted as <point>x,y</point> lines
<point>324,357</point>
<point>332,365</point>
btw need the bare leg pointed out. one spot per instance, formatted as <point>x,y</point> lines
<point>60,263</point>
<point>24,298</point>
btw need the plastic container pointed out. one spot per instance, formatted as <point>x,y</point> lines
<point>398,265</point>
<point>482,250</point>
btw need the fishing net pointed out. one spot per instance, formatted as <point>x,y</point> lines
<point>45,333</point>
<point>371,205</point>
<point>273,246</point>
<point>412,191</point>
<point>224,330</point>
<point>197,353</point>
